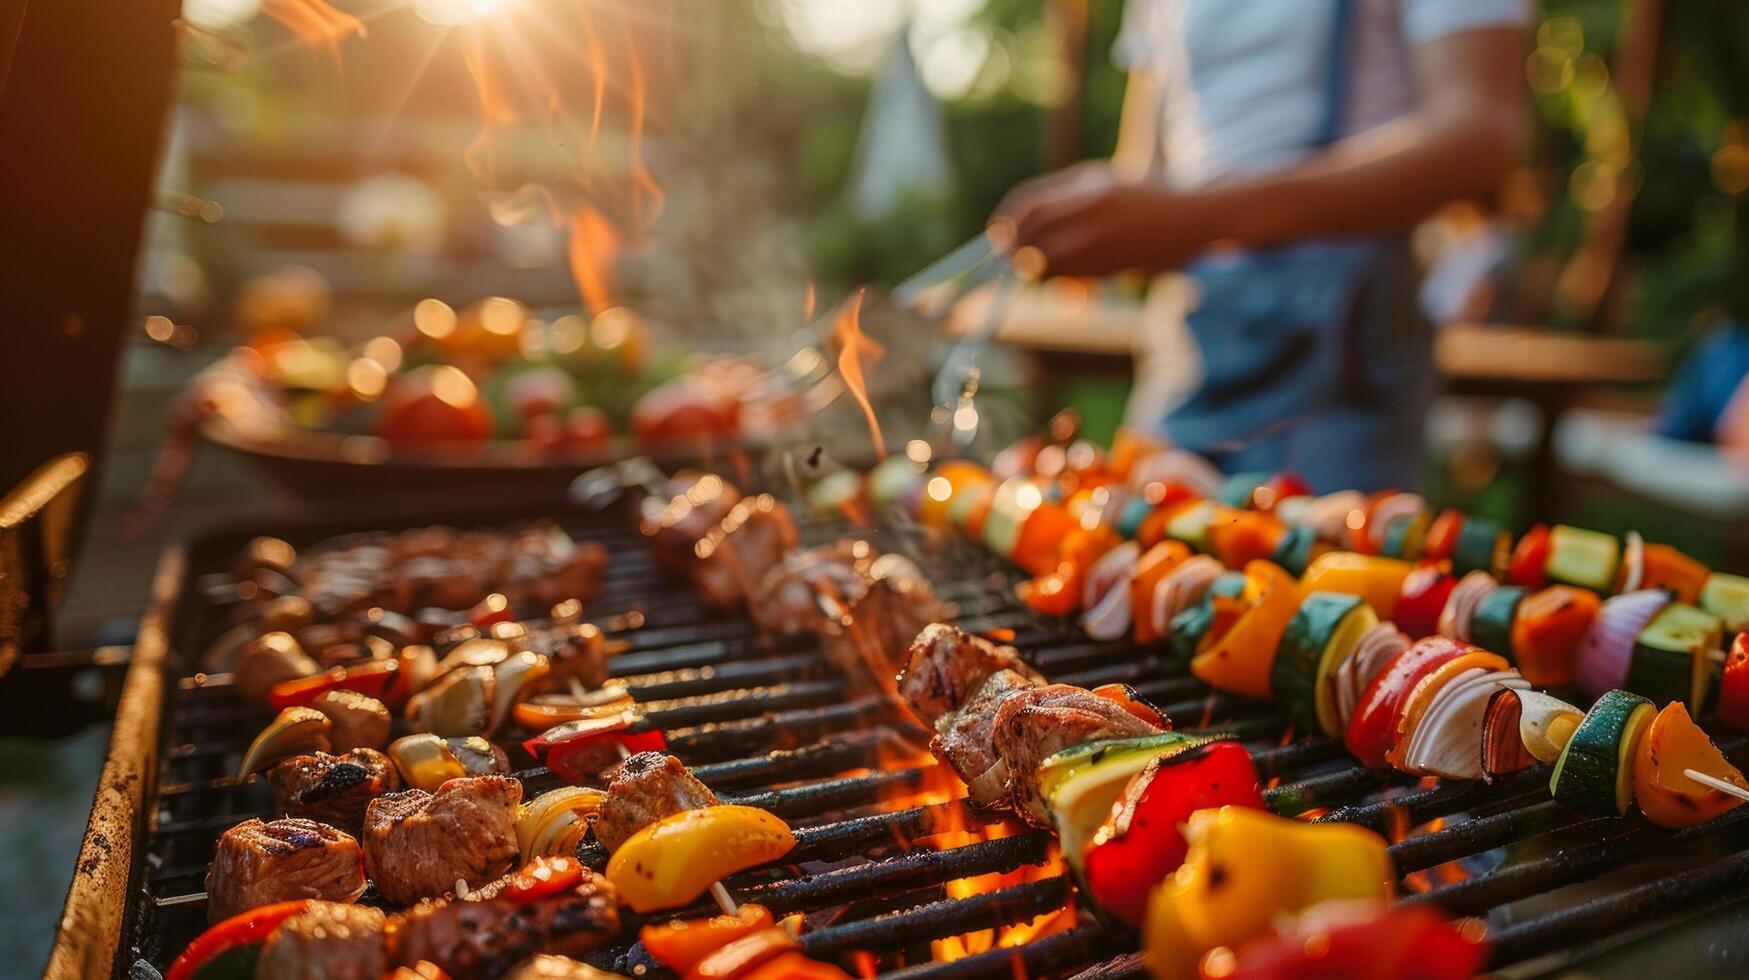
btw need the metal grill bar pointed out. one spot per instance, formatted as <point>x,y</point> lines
<point>938,920</point>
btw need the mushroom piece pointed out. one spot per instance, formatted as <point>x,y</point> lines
<point>273,659</point>
<point>359,720</point>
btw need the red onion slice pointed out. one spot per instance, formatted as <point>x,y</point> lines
<point>1374,652</point>
<point>1503,751</point>
<point>1106,594</point>
<point>1602,661</point>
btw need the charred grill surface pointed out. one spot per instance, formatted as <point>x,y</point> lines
<point>774,722</point>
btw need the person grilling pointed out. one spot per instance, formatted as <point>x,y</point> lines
<point>1276,154</point>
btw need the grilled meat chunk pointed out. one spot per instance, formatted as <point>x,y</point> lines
<point>811,591</point>
<point>647,787</point>
<point>547,967</point>
<point>327,941</point>
<point>732,558</point>
<point>334,789</point>
<point>965,739</point>
<point>360,721</point>
<point>487,938</point>
<point>261,862</point>
<point>418,844</point>
<point>1035,724</point>
<point>897,604</point>
<point>674,521</point>
<point>946,665</point>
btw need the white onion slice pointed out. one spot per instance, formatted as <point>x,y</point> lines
<point>1182,588</point>
<point>1460,606</point>
<point>1329,514</point>
<point>1374,652</point>
<point>1115,568</point>
<point>1447,742</point>
<point>1602,661</point>
<point>1178,466</point>
<point>1389,509</point>
<point>1109,619</point>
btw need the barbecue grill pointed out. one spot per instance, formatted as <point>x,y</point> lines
<point>774,725</point>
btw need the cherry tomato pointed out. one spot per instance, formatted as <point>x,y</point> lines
<point>1525,567</point>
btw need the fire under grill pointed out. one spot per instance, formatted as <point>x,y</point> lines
<point>772,724</point>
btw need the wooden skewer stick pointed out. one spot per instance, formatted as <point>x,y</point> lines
<point>725,901</point>
<point>1716,656</point>
<point>1718,784</point>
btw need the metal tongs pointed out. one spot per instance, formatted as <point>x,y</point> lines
<point>933,292</point>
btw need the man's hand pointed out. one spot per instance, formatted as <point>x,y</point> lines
<point>1085,221</point>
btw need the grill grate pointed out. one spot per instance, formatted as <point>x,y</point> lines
<point>773,725</point>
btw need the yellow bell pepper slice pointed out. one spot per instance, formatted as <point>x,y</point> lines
<point>1376,579</point>
<point>676,859</point>
<point>1243,660</point>
<point>1244,868</point>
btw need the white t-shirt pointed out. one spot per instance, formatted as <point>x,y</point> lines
<point>1243,91</point>
<point>1243,80</point>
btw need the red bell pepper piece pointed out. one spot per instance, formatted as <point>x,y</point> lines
<point>243,929</point>
<point>1733,708</point>
<point>541,878</point>
<point>1442,535</point>
<point>1525,567</point>
<point>579,750</point>
<point>1372,731</point>
<point>1424,593</point>
<point>1277,489</point>
<point>1349,941</point>
<point>1143,841</point>
<point>370,678</point>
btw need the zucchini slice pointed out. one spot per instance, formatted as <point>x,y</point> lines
<point>1670,659</point>
<point>1186,631</point>
<point>1191,524</point>
<point>1404,536</point>
<point>1482,545</point>
<point>1727,596</point>
<point>1595,773</point>
<point>1294,551</point>
<point>1587,559</point>
<point>1317,640</point>
<point>1491,623</point>
<point>1082,782</point>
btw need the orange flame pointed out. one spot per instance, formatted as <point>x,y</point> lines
<point>852,345</point>
<point>644,186</point>
<point>593,243</point>
<point>315,22</point>
<point>496,109</point>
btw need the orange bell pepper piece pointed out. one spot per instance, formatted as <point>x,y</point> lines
<point>1041,538</point>
<point>1663,567</point>
<point>795,966</point>
<point>1664,793</point>
<point>741,956</point>
<point>1241,536</point>
<point>1152,530</point>
<point>682,943</point>
<point>1546,631</point>
<point>1242,660</point>
<point>1155,564</point>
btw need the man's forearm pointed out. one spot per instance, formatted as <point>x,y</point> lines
<point>1384,180</point>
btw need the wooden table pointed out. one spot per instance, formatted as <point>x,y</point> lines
<point>1100,334</point>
